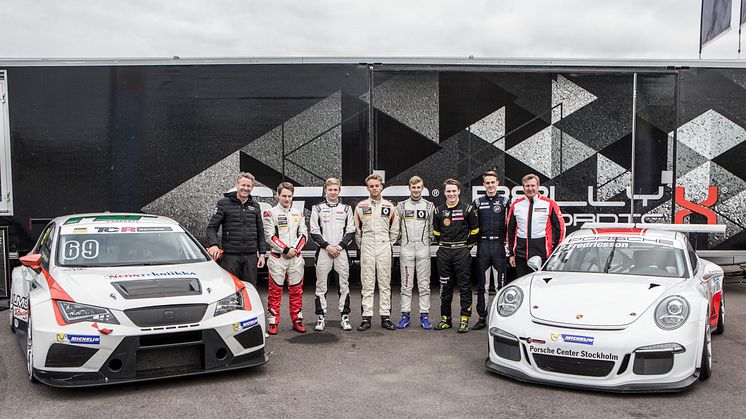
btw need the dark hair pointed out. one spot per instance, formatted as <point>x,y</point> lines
<point>285,185</point>
<point>453,182</point>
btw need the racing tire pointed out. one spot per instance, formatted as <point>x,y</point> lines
<point>705,369</point>
<point>30,350</point>
<point>721,317</point>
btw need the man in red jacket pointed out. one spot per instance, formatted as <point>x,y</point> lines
<point>535,226</point>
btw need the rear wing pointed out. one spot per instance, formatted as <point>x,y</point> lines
<point>682,228</point>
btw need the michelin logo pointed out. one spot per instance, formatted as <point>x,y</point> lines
<point>246,324</point>
<point>583,340</point>
<point>78,339</point>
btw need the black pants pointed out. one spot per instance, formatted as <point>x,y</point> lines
<point>490,254</point>
<point>454,267</point>
<point>242,267</point>
<point>521,267</point>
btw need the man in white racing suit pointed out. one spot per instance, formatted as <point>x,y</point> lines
<point>416,221</point>
<point>333,229</point>
<point>286,233</point>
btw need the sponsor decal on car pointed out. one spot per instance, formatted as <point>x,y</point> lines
<point>149,229</point>
<point>110,218</point>
<point>78,339</point>
<point>246,324</point>
<point>561,337</point>
<point>151,275</point>
<point>606,356</point>
<point>20,302</point>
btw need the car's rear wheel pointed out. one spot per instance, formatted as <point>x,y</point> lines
<point>30,349</point>
<point>721,317</point>
<point>705,369</point>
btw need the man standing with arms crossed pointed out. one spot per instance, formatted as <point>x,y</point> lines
<point>285,231</point>
<point>376,231</point>
<point>332,228</point>
<point>416,215</point>
<point>491,212</point>
<point>242,232</point>
<point>535,226</point>
<point>455,228</point>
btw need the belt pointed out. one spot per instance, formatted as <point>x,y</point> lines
<point>453,245</point>
<point>491,237</point>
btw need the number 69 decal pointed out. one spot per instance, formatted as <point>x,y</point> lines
<point>87,249</point>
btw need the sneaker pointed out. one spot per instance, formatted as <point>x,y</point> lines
<point>463,325</point>
<point>404,322</point>
<point>272,329</point>
<point>345,323</point>
<point>425,321</point>
<point>445,323</point>
<point>386,323</point>
<point>364,325</point>
<point>319,323</point>
<point>481,323</point>
<point>298,326</point>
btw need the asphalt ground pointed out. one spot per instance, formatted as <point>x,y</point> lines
<point>402,373</point>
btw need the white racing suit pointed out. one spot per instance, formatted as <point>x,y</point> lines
<point>332,224</point>
<point>414,257</point>
<point>285,228</point>
<point>376,231</point>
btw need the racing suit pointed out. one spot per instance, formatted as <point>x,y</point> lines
<point>376,231</point>
<point>332,224</point>
<point>491,249</point>
<point>285,228</point>
<point>535,228</point>
<point>416,234</point>
<point>456,230</point>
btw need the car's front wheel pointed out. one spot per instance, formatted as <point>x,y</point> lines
<point>30,349</point>
<point>705,369</point>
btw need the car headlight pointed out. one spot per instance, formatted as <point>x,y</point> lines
<point>509,301</point>
<point>75,313</point>
<point>229,303</point>
<point>672,312</point>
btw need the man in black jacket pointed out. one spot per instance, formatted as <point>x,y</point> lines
<point>243,231</point>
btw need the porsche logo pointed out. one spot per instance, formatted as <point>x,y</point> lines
<point>578,316</point>
<point>169,315</point>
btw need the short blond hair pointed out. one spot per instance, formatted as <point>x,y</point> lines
<point>375,176</point>
<point>246,175</point>
<point>531,176</point>
<point>332,181</point>
<point>415,180</point>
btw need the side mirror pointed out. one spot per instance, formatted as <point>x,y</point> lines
<point>711,272</point>
<point>534,262</point>
<point>32,261</point>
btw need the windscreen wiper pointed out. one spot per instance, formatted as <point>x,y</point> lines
<point>611,256</point>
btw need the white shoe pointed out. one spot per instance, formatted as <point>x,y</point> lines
<point>345,323</point>
<point>319,323</point>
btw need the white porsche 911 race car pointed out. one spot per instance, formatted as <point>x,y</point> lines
<point>623,308</point>
<point>111,298</point>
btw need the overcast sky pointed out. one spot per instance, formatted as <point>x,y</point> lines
<point>347,28</point>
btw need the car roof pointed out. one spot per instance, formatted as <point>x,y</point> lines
<point>103,218</point>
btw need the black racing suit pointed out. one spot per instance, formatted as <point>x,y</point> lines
<point>491,212</point>
<point>455,229</point>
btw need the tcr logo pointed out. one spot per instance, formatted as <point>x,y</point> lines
<point>702,208</point>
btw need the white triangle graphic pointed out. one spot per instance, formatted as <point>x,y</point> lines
<point>551,152</point>
<point>570,96</point>
<point>491,128</point>
<point>711,134</point>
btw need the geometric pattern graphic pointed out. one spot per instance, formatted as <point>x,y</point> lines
<point>611,178</point>
<point>491,128</point>
<point>568,97</point>
<point>711,134</point>
<point>551,152</point>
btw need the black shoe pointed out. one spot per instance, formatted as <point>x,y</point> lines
<point>386,323</point>
<point>481,323</point>
<point>364,325</point>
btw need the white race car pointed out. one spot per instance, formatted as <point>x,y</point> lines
<point>111,298</point>
<point>620,308</point>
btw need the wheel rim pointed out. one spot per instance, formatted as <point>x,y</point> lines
<point>29,349</point>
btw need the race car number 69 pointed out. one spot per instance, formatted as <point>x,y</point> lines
<point>88,249</point>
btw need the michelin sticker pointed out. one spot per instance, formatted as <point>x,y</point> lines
<point>78,339</point>
<point>561,337</point>
<point>246,324</point>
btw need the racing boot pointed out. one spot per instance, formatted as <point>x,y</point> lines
<point>445,323</point>
<point>345,323</point>
<point>463,325</point>
<point>481,323</point>
<point>386,323</point>
<point>320,323</point>
<point>272,329</point>
<point>364,325</point>
<point>298,326</point>
<point>425,321</point>
<point>404,322</point>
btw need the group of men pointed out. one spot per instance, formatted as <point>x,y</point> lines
<point>504,234</point>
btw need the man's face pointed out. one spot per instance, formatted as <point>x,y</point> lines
<point>452,193</point>
<point>490,184</point>
<point>530,188</point>
<point>244,186</point>
<point>374,188</point>
<point>415,191</point>
<point>285,198</point>
<point>332,193</point>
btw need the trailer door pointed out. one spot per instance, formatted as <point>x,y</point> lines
<point>6,193</point>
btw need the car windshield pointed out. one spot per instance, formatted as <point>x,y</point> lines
<point>618,256</point>
<point>128,249</point>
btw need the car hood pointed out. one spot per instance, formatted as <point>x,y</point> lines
<point>592,299</point>
<point>136,286</point>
